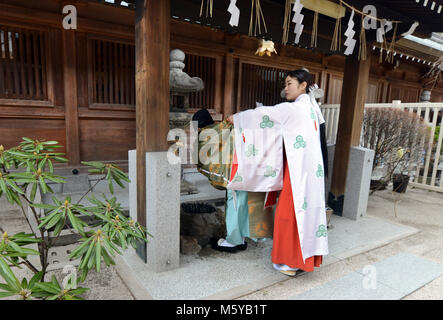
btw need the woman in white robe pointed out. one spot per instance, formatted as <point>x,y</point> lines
<point>288,158</point>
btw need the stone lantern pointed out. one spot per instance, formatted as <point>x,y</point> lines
<point>181,85</point>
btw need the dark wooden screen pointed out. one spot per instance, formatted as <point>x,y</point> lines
<point>404,93</point>
<point>261,84</point>
<point>113,72</point>
<point>204,68</point>
<point>22,64</point>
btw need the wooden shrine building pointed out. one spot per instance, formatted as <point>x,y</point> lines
<point>102,89</point>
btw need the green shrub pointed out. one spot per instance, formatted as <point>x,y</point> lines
<point>28,167</point>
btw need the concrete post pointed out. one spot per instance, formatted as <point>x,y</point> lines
<point>358,182</point>
<point>162,253</point>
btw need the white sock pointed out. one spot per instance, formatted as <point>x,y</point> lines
<point>283,267</point>
<point>223,243</point>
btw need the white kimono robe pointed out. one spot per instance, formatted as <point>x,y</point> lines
<point>260,135</point>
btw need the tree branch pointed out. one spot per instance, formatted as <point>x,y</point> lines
<point>29,265</point>
<point>27,220</point>
<point>44,247</point>
<point>90,189</point>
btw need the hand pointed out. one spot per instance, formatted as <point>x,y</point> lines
<point>231,119</point>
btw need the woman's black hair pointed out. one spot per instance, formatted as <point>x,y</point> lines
<point>302,76</point>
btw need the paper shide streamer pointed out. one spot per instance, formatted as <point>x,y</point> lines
<point>350,33</point>
<point>235,13</point>
<point>298,20</point>
<point>369,21</point>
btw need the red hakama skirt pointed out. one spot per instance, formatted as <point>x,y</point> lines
<point>286,242</point>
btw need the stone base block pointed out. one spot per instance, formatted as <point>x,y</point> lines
<point>162,210</point>
<point>355,200</point>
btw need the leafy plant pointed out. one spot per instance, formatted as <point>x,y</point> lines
<point>24,170</point>
<point>398,138</point>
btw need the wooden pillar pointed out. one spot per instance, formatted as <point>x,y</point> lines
<point>70,93</point>
<point>353,98</point>
<point>218,84</point>
<point>228,101</point>
<point>152,41</point>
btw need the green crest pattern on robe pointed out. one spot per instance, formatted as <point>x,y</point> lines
<point>312,114</point>
<point>237,178</point>
<point>320,172</point>
<point>252,151</point>
<point>322,231</point>
<point>299,143</point>
<point>270,172</point>
<point>305,205</point>
<point>266,123</point>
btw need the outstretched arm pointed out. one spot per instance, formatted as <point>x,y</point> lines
<point>272,109</point>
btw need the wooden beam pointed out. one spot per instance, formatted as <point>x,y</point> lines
<point>70,93</point>
<point>353,97</point>
<point>90,24</point>
<point>325,7</point>
<point>423,52</point>
<point>152,41</point>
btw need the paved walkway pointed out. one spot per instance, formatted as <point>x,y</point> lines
<point>379,242</point>
<point>216,275</point>
<point>408,268</point>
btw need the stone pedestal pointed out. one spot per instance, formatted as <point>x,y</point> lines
<point>358,182</point>
<point>162,209</point>
<point>355,201</point>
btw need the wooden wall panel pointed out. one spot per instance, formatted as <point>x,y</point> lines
<point>104,139</point>
<point>403,93</point>
<point>12,130</point>
<point>334,89</point>
<point>260,84</point>
<point>437,96</point>
<point>372,96</point>
<point>203,67</point>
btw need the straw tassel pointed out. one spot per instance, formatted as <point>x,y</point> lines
<point>362,53</point>
<point>209,6</point>
<point>314,31</point>
<point>258,18</point>
<point>383,45</point>
<point>336,39</point>
<point>287,22</point>
<point>390,56</point>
